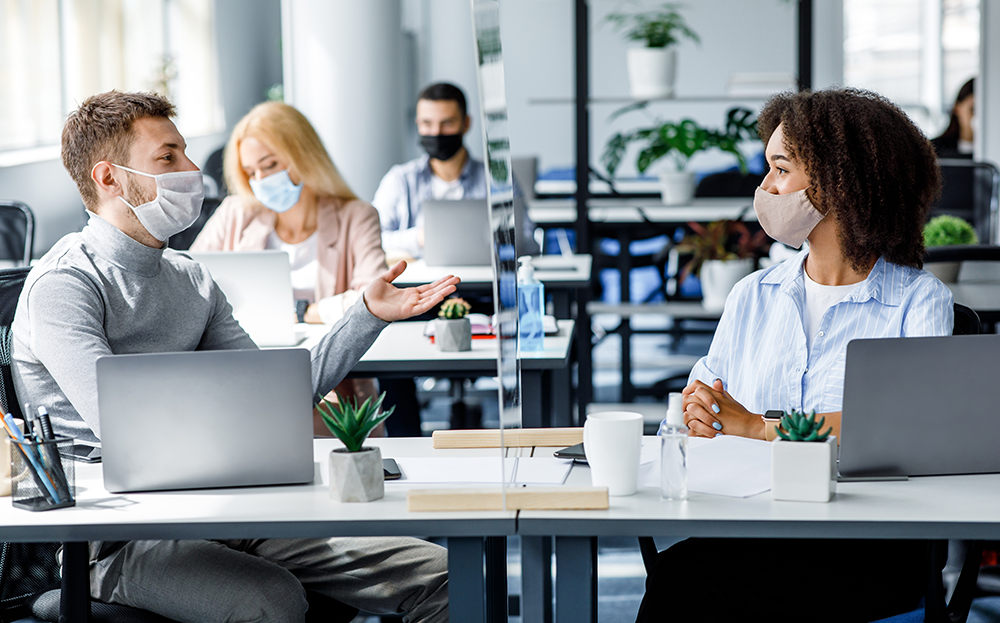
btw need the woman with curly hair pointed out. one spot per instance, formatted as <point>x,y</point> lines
<point>850,173</point>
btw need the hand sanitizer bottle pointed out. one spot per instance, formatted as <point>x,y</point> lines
<point>530,306</point>
<point>673,451</point>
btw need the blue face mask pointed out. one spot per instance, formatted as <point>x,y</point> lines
<point>276,191</point>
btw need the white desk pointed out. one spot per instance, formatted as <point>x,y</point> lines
<point>625,211</point>
<point>956,507</point>
<point>402,351</point>
<point>560,275</point>
<point>300,511</point>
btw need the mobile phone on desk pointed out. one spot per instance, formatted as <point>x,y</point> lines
<point>573,452</point>
<point>82,453</point>
<point>390,470</point>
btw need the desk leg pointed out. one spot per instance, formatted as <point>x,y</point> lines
<point>576,579</point>
<point>561,395</point>
<point>74,598</point>
<point>532,400</point>
<point>536,579</point>
<point>560,303</point>
<point>473,595</point>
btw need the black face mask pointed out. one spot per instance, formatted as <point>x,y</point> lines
<point>441,146</point>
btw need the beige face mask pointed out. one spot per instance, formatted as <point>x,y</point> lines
<point>787,218</point>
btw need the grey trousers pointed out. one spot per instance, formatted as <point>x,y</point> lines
<point>244,581</point>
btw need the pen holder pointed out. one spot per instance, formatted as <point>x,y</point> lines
<point>41,478</point>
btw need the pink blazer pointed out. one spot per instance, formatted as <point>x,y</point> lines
<point>349,248</point>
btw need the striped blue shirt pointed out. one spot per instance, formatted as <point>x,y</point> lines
<point>759,349</point>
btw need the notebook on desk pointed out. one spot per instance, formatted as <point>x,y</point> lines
<point>458,233</point>
<point>921,407</point>
<point>205,419</point>
<point>258,284</point>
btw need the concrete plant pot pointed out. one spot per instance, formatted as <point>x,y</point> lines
<point>804,471</point>
<point>453,335</point>
<point>356,476</point>
<point>651,72</point>
<point>718,278</point>
<point>676,187</point>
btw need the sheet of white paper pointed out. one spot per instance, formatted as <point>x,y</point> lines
<point>482,470</point>
<point>730,466</point>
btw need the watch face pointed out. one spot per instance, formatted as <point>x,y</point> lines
<point>773,414</point>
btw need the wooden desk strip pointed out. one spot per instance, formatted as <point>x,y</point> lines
<point>518,498</point>
<point>513,438</point>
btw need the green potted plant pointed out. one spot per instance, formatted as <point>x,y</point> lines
<point>946,231</point>
<point>678,143</point>
<point>652,68</point>
<point>722,253</point>
<point>803,459</point>
<point>355,470</point>
<point>452,329</point>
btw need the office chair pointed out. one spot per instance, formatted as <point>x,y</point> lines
<point>182,241</point>
<point>935,609</point>
<point>17,232</point>
<point>970,190</point>
<point>29,572</point>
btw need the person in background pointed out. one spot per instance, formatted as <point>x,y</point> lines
<point>115,288</point>
<point>853,175</point>
<point>957,139</point>
<point>287,195</point>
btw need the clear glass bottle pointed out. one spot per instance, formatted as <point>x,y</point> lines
<point>673,451</point>
<point>531,306</point>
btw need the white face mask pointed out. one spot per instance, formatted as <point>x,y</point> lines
<point>787,218</point>
<point>177,204</point>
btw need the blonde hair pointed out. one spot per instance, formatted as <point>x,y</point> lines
<point>292,138</point>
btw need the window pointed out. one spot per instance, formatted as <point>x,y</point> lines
<point>56,53</point>
<point>918,53</point>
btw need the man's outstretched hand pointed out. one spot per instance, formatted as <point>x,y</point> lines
<point>389,303</point>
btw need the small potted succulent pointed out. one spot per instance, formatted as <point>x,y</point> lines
<point>652,68</point>
<point>355,471</point>
<point>803,459</point>
<point>946,231</point>
<point>723,252</point>
<point>678,143</point>
<point>452,329</point>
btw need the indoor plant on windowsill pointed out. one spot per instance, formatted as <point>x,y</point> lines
<point>678,143</point>
<point>355,471</point>
<point>452,330</point>
<point>803,459</point>
<point>946,231</point>
<point>652,68</point>
<point>723,252</point>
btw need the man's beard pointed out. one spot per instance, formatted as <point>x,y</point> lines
<point>136,195</point>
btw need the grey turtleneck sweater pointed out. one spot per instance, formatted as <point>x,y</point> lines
<point>100,292</point>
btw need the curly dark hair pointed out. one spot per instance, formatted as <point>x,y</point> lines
<point>870,167</point>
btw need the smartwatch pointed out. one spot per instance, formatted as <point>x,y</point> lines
<point>772,420</point>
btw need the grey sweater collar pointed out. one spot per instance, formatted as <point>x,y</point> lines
<point>113,245</point>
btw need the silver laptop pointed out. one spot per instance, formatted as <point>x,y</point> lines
<point>921,407</point>
<point>458,233</point>
<point>205,419</point>
<point>258,284</point>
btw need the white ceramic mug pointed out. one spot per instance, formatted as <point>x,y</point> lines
<point>612,441</point>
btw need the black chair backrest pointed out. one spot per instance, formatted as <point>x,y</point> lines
<point>966,321</point>
<point>11,283</point>
<point>17,232</point>
<point>970,190</point>
<point>184,240</point>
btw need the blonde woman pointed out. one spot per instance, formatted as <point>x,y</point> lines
<point>288,195</point>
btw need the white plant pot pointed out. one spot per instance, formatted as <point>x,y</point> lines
<point>453,335</point>
<point>356,476</point>
<point>804,471</point>
<point>718,278</point>
<point>651,72</point>
<point>676,187</point>
<point>947,272</point>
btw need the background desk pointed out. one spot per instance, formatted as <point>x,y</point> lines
<point>626,211</point>
<point>402,351</point>
<point>953,507</point>
<point>300,511</point>
<point>559,282</point>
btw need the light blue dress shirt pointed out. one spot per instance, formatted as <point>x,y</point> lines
<point>759,349</point>
<point>404,189</point>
